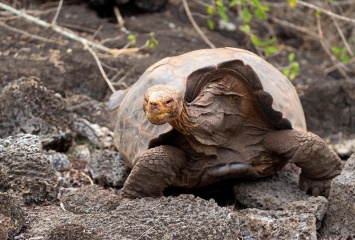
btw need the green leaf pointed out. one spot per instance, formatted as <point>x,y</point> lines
<point>318,13</point>
<point>264,8</point>
<point>222,14</point>
<point>210,10</point>
<point>234,2</point>
<point>210,24</point>
<point>295,66</point>
<point>330,1</point>
<point>292,3</point>
<point>245,28</point>
<point>246,15</point>
<point>286,71</point>
<point>260,14</point>
<point>336,50</point>
<point>255,40</point>
<point>259,43</point>
<point>345,58</point>
<point>152,42</point>
<point>255,3</point>
<point>292,76</point>
<point>132,39</point>
<point>291,57</point>
<point>219,3</point>
<point>270,50</point>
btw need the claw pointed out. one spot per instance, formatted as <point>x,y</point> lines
<point>315,187</point>
<point>304,186</point>
<point>315,191</point>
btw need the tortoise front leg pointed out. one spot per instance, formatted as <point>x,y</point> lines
<point>319,163</point>
<point>156,169</point>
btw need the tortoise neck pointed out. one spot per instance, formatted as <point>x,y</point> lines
<point>182,122</point>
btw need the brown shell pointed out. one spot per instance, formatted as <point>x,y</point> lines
<point>275,93</point>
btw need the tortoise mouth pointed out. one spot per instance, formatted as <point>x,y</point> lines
<point>160,118</point>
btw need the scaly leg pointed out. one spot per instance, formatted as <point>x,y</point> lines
<point>156,169</point>
<point>319,164</point>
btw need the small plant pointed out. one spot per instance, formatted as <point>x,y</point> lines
<point>292,70</point>
<point>152,42</point>
<point>340,53</point>
<point>132,39</point>
<point>249,10</point>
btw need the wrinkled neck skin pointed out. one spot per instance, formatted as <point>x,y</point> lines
<point>182,122</point>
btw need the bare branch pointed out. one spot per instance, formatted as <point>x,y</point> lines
<point>58,29</point>
<point>98,62</point>
<point>55,41</point>
<point>194,24</point>
<point>329,13</point>
<point>326,48</point>
<point>120,20</point>
<point>336,66</point>
<point>57,12</point>
<point>295,27</point>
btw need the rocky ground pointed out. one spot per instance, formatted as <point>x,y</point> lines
<point>60,175</point>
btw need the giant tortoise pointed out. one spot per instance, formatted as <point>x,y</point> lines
<point>215,114</point>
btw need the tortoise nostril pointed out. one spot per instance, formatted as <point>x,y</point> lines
<point>153,105</point>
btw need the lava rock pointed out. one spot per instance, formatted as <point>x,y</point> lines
<point>274,224</point>
<point>101,137</point>
<point>182,217</point>
<point>26,106</point>
<point>91,199</point>
<point>58,160</point>
<point>340,217</point>
<point>5,226</point>
<point>314,205</point>
<point>271,193</point>
<point>25,170</point>
<point>12,217</point>
<point>108,168</point>
<point>92,110</point>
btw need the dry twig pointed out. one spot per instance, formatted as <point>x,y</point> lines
<point>98,62</point>
<point>194,24</point>
<point>329,13</point>
<point>55,41</point>
<point>88,177</point>
<point>66,32</point>
<point>326,48</point>
<point>57,12</point>
<point>295,27</point>
<point>120,20</point>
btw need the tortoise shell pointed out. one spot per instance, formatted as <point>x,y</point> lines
<point>275,94</point>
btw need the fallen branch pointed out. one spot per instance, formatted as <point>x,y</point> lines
<point>194,24</point>
<point>66,32</point>
<point>55,41</point>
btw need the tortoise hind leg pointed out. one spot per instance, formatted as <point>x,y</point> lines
<point>156,169</point>
<point>319,164</point>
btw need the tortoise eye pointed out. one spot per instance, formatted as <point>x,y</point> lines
<point>169,101</point>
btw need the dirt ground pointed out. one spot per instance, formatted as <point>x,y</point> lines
<point>66,67</point>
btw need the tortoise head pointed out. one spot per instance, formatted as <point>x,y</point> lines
<point>162,103</point>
